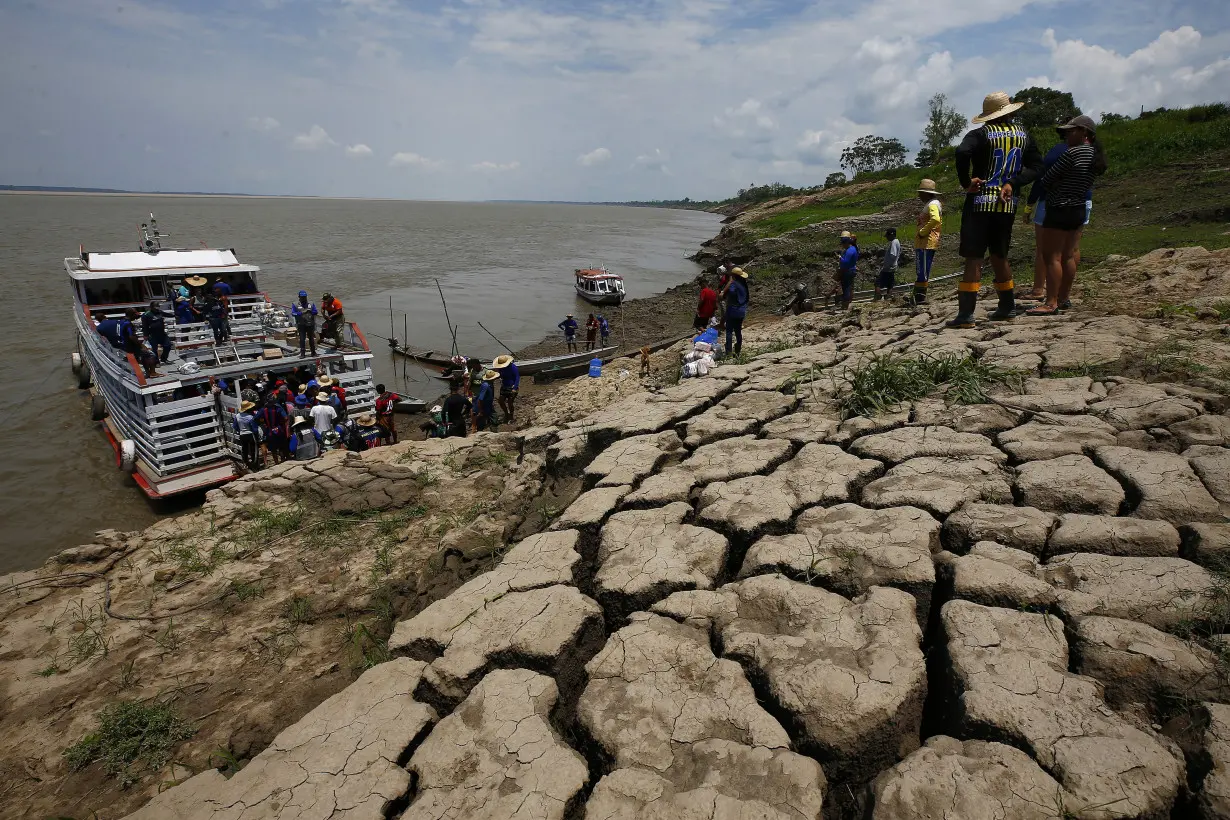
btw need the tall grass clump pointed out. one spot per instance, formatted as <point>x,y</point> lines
<point>130,736</point>
<point>885,382</point>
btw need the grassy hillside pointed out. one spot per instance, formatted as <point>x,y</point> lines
<point>1168,185</point>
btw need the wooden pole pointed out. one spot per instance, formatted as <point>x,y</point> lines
<point>391,318</point>
<point>447,320</point>
<point>493,336</point>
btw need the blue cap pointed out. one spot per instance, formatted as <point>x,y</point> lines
<point>301,400</point>
<point>303,294</point>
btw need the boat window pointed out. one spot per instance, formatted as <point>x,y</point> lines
<point>157,289</point>
<point>602,287</point>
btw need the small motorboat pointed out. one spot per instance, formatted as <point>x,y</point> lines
<point>410,406</point>
<point>528,367</point>
<point>600,286</point>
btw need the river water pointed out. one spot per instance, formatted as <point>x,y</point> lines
<point>507,265</point>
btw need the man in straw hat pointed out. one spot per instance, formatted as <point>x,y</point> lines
<point>510,382</point>
<point>926,239</point>
<point>484,401</point>
<point>249,434</point>
<point>994,161</point>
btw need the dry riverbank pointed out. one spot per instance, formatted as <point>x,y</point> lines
<point>721,591</point>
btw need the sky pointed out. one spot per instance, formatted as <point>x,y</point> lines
<point>546,99</point>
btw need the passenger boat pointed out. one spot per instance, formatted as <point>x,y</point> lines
<point>172,431</point>
<point>600,286</point>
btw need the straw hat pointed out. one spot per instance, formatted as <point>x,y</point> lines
<point>502,362</point>
<point>739,272</point>
<point>302,421</point>
<point>195,281</point>
<point>325,381</point>
<point>245,406</point>
<point>367,419</point>
<point>996,105</point>
<point>490,376</point>
<point>846,235</point>
<point>927,186</point>
<point>322,396</point>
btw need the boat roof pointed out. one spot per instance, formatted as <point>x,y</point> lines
<point>174,261</point>
<point>597,273</point>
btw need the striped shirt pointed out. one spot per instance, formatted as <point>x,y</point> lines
<point>1068,181</point>
<point>998,153</point>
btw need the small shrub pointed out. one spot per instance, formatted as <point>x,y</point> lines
<point>888,381</point>
<point>298,610</point>
<point>130,736</point>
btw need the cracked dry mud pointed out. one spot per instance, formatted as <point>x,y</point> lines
<point>750,607</point>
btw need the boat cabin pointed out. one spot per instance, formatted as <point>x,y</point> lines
<point>600,286</point>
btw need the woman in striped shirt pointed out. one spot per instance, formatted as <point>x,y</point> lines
<point>1067,183</point>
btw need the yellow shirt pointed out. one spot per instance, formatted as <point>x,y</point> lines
<point>930,226</point>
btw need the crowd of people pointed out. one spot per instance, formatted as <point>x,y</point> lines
<point>471,402</point>
<point>301,415</point>
<point>596,327</point>
<point>995,163</point>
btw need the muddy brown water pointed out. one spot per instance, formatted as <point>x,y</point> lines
<point>508,265</point>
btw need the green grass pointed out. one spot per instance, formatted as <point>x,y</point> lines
<point>298,610</point>
<point>130,737</point>
<point>885,382</point>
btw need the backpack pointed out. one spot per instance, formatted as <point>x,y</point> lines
<point>353,439</point>
<point>308,446</point>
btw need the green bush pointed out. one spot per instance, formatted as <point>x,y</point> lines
<point>130,735</point>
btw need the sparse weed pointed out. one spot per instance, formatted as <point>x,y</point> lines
<point>168,640</point>
<point>247,590</point>
<point>298,610</point>
<point>89,640</point>
<point>49,670</point>
<point>365,648</point>
<point>130,736</point>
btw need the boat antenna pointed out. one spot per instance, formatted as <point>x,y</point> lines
<point>151,237</point>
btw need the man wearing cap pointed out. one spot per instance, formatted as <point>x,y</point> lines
<point>737,298</point>
<point>926,239</point>
<point>331,307</point>
<point>993,162</point>
<point>304,314</point>
<point>569,326</point>
<point>484,402</point>
<point>510,382</point>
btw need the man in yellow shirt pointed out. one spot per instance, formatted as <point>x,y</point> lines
<point>926,239</point>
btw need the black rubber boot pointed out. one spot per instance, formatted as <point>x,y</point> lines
<point>966,302</point>
<point>1007,306</point>
<point>920,295</point>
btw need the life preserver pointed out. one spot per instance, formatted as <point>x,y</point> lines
<point>98,407</point>
<point>77,362</point>
<point>84,377</point>
<point>128,455</point>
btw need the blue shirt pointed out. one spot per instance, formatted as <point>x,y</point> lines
<point>736,299</point>
<point>486,400</point>
<point>569,326</point>
<point>303,314</point>
<point>223,287</point>
<point>245,424</point>
<point>510,377</point>
<point>849,261</point>
<point>110,330</point>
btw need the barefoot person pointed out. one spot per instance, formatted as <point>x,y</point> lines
<point>1067,184</point>
<point>926,239</point>
<point>993,162</point>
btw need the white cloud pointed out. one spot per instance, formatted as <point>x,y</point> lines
<point>315,138</point>
<point>1176,69</point>
<point>263,124</point>
<point>594,157</point>
<point>358,150</point>
<point>487,165</point>
<point>652,162</point>
<point>413,160</point>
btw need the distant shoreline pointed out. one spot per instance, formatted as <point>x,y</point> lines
<point>34,190</point>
